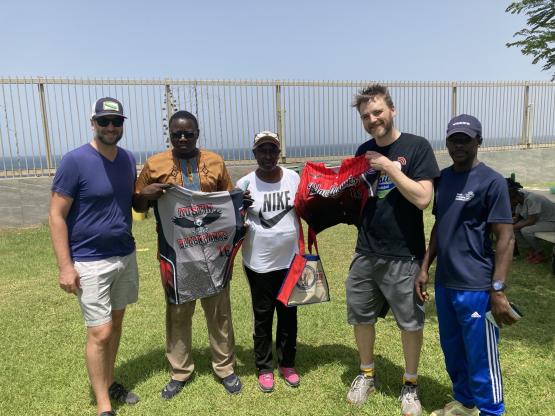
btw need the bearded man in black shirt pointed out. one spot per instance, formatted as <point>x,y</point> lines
<point>390,244</point>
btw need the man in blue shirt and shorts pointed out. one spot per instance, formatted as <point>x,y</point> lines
<point>90,224</point>
<point>471,202</point>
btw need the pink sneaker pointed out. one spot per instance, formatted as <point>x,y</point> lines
<point>290,376</point>
<point>266,382</point>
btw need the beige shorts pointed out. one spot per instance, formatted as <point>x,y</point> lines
<point>106,285</point>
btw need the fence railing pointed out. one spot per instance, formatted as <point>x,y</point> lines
<point>43,118</point>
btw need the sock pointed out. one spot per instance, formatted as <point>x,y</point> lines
<point>367,370</point>
<point>410,378</point>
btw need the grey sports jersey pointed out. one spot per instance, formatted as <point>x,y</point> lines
<point>198,236</point>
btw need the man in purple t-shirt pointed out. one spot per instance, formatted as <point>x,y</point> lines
<point>90,225</point>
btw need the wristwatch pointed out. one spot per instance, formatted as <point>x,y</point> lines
<point>498,286</point>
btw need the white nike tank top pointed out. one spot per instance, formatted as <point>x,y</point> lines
<point>272,234</point>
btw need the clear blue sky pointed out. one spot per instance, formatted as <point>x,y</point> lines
<point>452,40</point>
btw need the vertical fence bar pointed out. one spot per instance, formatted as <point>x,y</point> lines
<point>529,124</point>
<point>279,123</point>
<point>36,109</point>
<point>45,129</point>
<point>525,116</point>
<point>168,114</point>
<point>453,100</point>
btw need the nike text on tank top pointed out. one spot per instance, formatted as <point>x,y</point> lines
<point>198,236</point>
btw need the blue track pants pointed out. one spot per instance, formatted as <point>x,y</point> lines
<point>469,344</point>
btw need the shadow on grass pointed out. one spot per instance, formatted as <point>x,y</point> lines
<point>388,373</point>
<point>309,358</point>
<point>141,368</point>
<point>532,288</point>
<point>433,395</point>
<point>313,357</point>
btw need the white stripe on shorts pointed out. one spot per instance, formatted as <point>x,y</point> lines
<point>493,363</point>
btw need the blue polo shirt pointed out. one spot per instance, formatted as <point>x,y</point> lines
<point>465,206</point>
<point>99,221</point>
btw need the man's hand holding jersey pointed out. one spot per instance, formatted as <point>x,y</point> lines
<point>154,191</point>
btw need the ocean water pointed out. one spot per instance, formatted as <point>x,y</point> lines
<point>25,162</point>
<point>31,162</point>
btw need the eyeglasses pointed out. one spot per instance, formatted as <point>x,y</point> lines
<point>104,121</point>
<point>184,133</point>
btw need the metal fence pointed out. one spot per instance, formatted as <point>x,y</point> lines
<point>43,118</point>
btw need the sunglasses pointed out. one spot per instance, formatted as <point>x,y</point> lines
<point>184,133</point>
<point>104,121</point>
<point>265,151</point>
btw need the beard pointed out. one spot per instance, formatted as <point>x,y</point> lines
<point>381,130</point>
<point>102,138</point>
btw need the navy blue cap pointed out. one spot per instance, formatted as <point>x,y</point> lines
<point>466,124</point>
<point>107,106</point>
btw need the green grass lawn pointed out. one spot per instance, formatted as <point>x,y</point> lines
<point>43,371</point>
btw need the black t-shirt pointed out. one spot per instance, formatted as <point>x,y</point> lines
<point>392,226</point>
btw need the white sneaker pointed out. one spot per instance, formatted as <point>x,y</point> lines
<point>410,403</point>
<point>455,408</point>
<point>361,388</point>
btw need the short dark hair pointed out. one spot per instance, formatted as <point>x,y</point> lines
<point>370,93</point>
<point>178,115</point>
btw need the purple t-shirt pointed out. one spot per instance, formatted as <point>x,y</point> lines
<point>99,221</point>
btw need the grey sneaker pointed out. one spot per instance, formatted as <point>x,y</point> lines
<point>361,388</point>
<point>121,395</point>
<point>172,389</point>
<point>232,384</point>
<point>410,403</point>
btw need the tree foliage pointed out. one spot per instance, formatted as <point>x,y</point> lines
<point>538,38</point>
